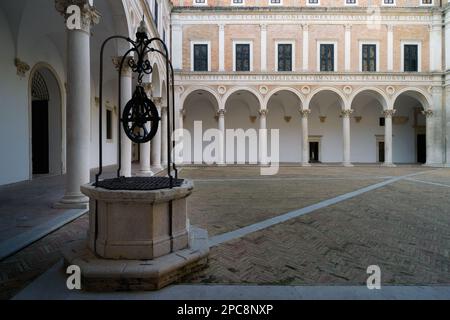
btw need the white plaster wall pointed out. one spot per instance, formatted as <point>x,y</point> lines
<point>14,132</point>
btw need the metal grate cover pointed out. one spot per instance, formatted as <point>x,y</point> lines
<point>138,183</point>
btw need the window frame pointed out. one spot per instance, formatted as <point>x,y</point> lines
<point>377,53</point>
<point>292,43</point>
<point>275,4</point>
<point>313,4</point>
<point>394,3</point>
<point>419,54</point>
<point>335,58</point>
<point>237,4</point>
<point>195,3</point>
<point>351,4</point>
<point>249,42</point>
<point>200,42</point>
<point>426,4</point>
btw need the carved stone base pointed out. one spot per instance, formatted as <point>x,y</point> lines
<point>105,275</point>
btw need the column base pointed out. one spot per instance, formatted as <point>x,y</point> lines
<point>347,164</point>
<point>306,164</point>
<point>388,165</point>
<point>221,164</point>
<point>435,165</point>
<point>72,202</point>
<point>145,173</point>
<point>157,168</point>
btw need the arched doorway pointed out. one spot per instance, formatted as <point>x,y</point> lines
<point>46,128</point>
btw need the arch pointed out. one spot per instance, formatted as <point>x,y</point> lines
<point>248,89</point>
<point>156,82</point>
<point>417,94</point>
<point>214,103</point>
<point>193,89</point>
<point>277,90</point>
<point>55,104</point>
<point>376,93</point>
<point>344,101</point>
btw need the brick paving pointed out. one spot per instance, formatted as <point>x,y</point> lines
<point>404,228</point>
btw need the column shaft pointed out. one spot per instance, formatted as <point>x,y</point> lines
<point>125,142</point>
<point>346,137</point>
<point>388,114</point>
<point>156,143</point>
<point>305,137</point>
<point>164,136</point>
<point>221,127</point>
<point>263,137</point>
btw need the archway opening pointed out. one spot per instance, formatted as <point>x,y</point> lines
<point>242,113</point>
<point>325,127</point>
<point>368,141</point>
<point>283,107</point>
<point>409,128</point>
<point>46,128</point>
<point>200,114</point>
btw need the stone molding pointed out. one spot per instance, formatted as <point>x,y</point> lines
<point>221,113</point>
<point>427,113</point>
<point>263,113</point>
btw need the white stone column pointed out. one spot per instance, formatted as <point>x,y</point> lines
<point>390,47</point>
<point>221,127</point>
<point>388,114</point>
<point>177,46</point>
<point>447,37</point>
<point>305,47</point>
<point>305,137</point>
<point>436,43</point>
<point>145,148</point>
<point>346,114</point>
<point>156,143</point>
<point>221,47</point>
<point>263,47</point>
<point>438,132</point>
<point>78,104</point>
<point>126,95</point>
<point>263,137</point>
<point>447,120</point>
<point>164,135</point>
<point>429,136</point>
<point>348,47</point>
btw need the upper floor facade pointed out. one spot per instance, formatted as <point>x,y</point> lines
<point>407,36</point>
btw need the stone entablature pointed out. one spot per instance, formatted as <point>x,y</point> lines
<point>401,78</point>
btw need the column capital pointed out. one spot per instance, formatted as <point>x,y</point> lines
<point>148,88</point>
<point>347,113</point>
<point>427,113</point>
<point>126,69</point>
<point>263,112</point>
<point>390,27</point>
<point>22,67</point>
<point>348,27</point>
<point>221,112</point>
<point>389,113</point>
<point>305,27</point>
<point>263,27</point>
<point>158,102</point>
<point>305,112</point>
<point>221,27</point>
<point>89,16</point>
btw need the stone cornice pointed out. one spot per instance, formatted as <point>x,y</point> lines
<point>336,77</point>
<point>420,15</point>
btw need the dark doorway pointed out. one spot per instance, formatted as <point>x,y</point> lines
<point>381,151</point>
<point>40,145</point>
<point>421,148</point>
<point>314,152</point>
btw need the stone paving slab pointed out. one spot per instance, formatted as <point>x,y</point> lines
<point>404,228</point>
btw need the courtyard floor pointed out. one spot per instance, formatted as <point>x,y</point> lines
<point>304,226</point>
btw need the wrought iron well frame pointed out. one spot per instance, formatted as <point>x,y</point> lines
<point>141,47</point>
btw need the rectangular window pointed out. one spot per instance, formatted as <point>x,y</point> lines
<point>313,1</point>
<point>410,57</point>
<point>238,1</point>
<point>200,1</point>
<point>389,1</point>
<point>369,57</point>
<point>285,57</point>
<point>275,1</point>
<point>108,124</point>
<point>243,57</point>
<point>350,1</point>
<point>382,122</point>
<point>327,57</point>
<point>200,57</point>
<point>427,2</point>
